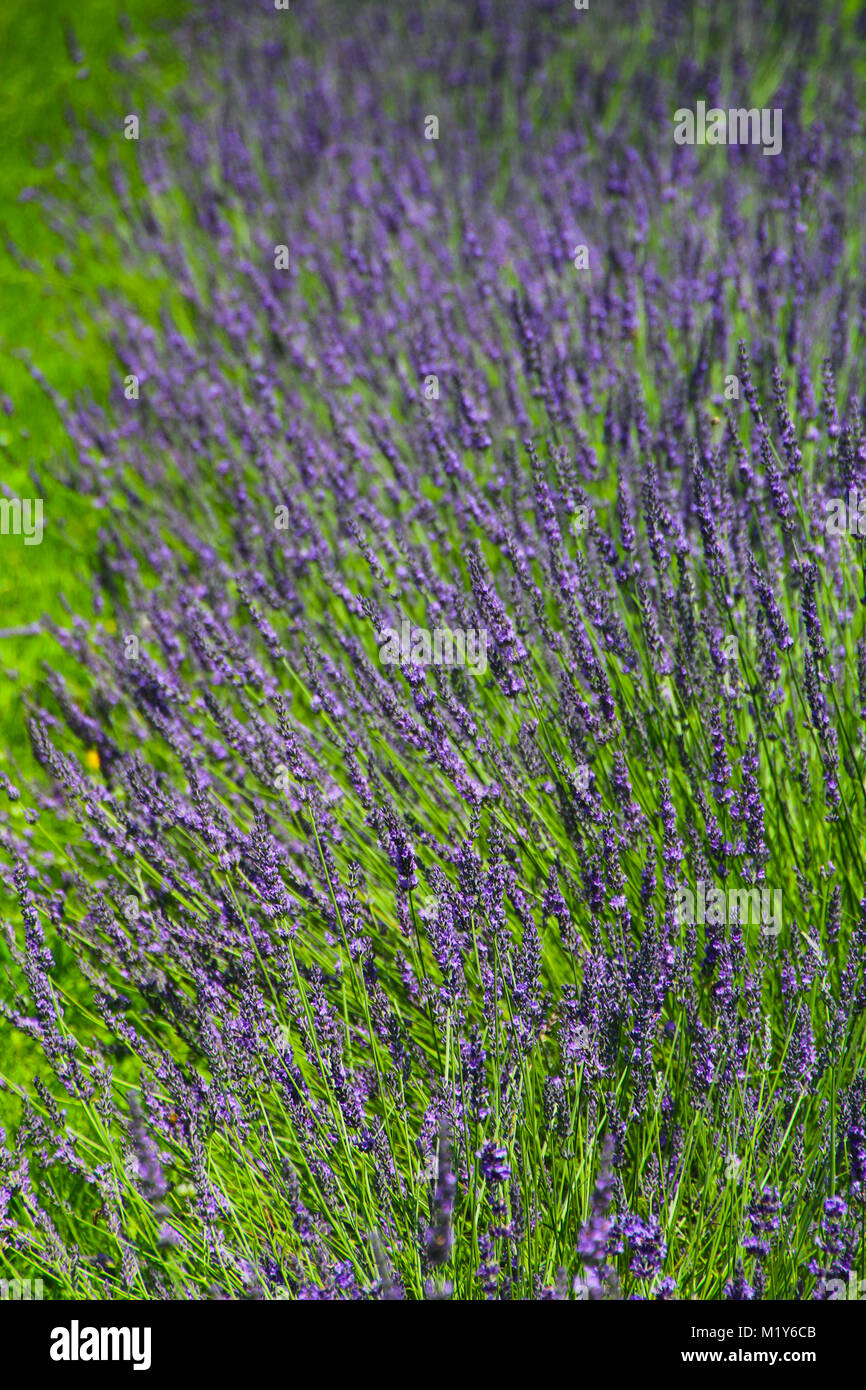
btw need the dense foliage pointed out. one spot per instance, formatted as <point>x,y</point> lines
<point>344,977</point>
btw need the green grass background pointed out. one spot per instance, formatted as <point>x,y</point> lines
<point>59,72</point>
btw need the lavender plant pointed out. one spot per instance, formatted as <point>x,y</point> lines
<point>340,976</point>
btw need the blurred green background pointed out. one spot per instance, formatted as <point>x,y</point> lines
<point>64,69</point>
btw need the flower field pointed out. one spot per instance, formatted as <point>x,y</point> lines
<point>432,829</point>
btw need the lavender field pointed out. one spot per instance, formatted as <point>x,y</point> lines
<point>435,865</point>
